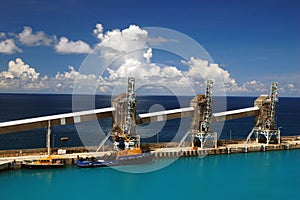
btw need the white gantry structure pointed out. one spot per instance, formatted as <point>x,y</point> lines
<point>124,118</point>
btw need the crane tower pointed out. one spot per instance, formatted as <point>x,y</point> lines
<point>201,119</point>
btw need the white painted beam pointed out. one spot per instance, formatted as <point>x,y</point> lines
<point>55,120</point>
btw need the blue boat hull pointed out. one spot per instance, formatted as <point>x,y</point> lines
<point>122,160</point>
<point>92,164</point>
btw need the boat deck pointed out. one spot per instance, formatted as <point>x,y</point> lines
<point>5,165</point>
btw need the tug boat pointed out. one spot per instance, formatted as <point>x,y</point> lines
<point>130,155</point>
<point>115,160</point>
<point>44,163</point>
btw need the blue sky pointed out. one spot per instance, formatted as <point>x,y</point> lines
<point>256,42</point>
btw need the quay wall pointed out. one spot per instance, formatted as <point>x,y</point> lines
<point>159,150</point>
<point>188,152</point>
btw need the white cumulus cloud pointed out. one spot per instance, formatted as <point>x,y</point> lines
<point>291,86</point>
<point>171,72</point>
<point>200,70</point>
<point>289,89</point>
<point>148,55</point>
<point>8,46</point>
<point>117,42</point>
<point>73,74</point>
<point>20,76</point>
<point>133,67</point>
<point>27,37</point>
<point>98,31</point>
<point>2,35</point>
<point>129,39</point>
<point>64,46</point>
<point>65,81</point>
<point>143,68</point>
<point>19,69</point>
<point>255,87</point>
<point>132,48</point>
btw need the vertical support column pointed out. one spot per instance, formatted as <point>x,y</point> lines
<point>216,140</point>
<point>201,118</point>
<point>198,103</point>
<point>48,138</point>
<point>267,136</point>
<point>279,136</point>
<point>119,116</point>
<point>274,101</point>
<point>202,139</point>
<point>129,126</point>
<point>265,122</point>
<point>205,127</point>
<point>124,119</point>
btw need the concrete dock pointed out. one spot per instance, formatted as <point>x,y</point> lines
<point>14,158</point>
<point>228,149</point>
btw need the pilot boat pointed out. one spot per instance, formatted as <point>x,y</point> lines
<point>126,152</point>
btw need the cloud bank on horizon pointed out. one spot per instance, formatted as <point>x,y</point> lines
<point>132,45</point>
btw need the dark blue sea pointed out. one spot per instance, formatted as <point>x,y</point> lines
<point>21,106</point>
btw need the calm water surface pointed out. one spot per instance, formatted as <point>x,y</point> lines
<point>261,175</point>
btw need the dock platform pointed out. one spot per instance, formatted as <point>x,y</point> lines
<point>10,160</point>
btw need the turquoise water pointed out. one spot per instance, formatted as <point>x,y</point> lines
<point>262,175</point>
